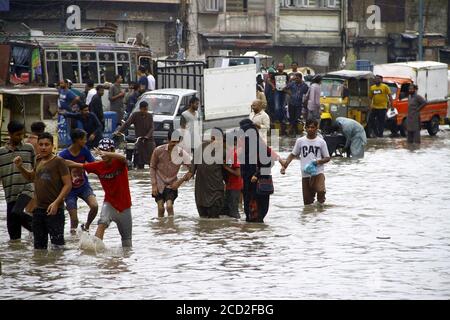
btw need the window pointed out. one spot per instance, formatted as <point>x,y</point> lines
<point>330,3</point>
<point>20,65</point>
<point>237,5</point>
<point>89,67</point>
<point>70,66</point>
<point>123,66</point>
<point>107,66</point>
<point>212,5</point>
<point>52,58</point>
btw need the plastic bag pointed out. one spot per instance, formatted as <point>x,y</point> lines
<point>91,243</point>
<point>311,168</point>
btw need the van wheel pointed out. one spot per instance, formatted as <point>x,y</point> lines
<point>325,126</point>
<point>433,126</point>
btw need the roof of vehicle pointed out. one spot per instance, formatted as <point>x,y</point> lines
<point>421,64</point>
<point>24,91</point>
<point>399,80</point>
<point>347,74</point>
<point>173,91</point>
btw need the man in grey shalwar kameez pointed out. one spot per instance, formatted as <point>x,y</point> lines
<point>415,104</point>
<point>143,126</point>
<point>209,181</point>
<point>354,134</point>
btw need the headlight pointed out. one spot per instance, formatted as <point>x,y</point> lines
<point>166,126</point>
<point>333,108</point>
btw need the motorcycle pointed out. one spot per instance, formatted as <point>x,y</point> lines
<point>129,146</point>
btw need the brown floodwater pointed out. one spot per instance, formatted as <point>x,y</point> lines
<point>384,233</point>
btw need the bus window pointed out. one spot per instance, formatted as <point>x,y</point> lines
<point>20,67</point>
<point>89,68</point>
<point>52,66</point>
<point>70,66</point>
<point>107,67</point>
<point>123,66</point>
<point>146,62</point>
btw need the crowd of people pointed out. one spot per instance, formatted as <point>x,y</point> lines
<point>40,185</point>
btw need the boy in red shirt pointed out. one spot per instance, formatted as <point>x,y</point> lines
<point>113,175</point>
<point>234,183</point>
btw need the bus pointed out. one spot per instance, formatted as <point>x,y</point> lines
<point>36,61</point>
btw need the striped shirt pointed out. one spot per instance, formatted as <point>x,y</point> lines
<point>14,184</point>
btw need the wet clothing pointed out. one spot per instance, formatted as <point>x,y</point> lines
<point>255,206</point>
<point>79,176</point>
<point>14,184</point>
<point>270,97</point>
<point>313,102</point>
<point>355,136</point>
<point>234,185</point>
<point>166,195</point>
<point>91,125</point>
<point>231,203</point>
<point>163,169</point>
<point>83,193</point>
<point>48,181</point>
<point>123,220</point>
<point>415,104</point>
<point>377,121</point>
<point>96,107</point>
<point>310,150</point>
<point>295,105</point>
<point>80,183</point>
<point>379,94</point>
<point>209,188</point>
<point>114,179</point>
<point>16,218</point>
<point>143,127</point>
<point>312,186</point>
<point>413,136</point>
<point>45,225</point>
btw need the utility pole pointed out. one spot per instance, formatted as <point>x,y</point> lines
<point>421,31</point>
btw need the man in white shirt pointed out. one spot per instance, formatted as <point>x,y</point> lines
<point>151,81</point>
<point>190,121</point>
<point>313,152</point>
<point>260,118</point>
<point>91,91</point>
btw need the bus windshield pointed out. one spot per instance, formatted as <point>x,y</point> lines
<point>160,104</point>
<point>332,88</point>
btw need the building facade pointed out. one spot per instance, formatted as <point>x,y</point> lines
<point>383,31</point>
<point>151,22</point>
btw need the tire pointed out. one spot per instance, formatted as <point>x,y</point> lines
<point>325,126</point>
<point>433,126</point>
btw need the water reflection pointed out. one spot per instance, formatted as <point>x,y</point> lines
<point>383,233</point>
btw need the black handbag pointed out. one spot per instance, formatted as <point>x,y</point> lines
<point>264,186</point>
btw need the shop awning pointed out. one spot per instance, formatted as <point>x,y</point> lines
<point>240,40</point>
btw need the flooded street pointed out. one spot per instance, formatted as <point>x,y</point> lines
<point>383,234</point>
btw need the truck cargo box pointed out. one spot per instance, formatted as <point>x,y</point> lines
<point>430,76</point>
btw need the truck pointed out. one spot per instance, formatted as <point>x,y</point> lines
<point>431,78</point>
<point>225,93</point>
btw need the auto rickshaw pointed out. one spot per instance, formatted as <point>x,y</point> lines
<point>345,93</point>
<point>29,105</point>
